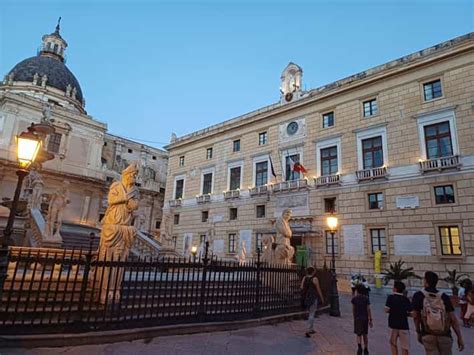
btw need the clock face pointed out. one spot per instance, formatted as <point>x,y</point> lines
<point>288,97</point>
<point>292,128</point>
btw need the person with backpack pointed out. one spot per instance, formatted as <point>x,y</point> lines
<point>362,318</point>
<point>312,297</point>
<point>434,317</point>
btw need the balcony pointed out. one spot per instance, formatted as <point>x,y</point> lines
<point>175,203</point>
<point>259,190</point>
<point>327,180</point>
<point>203,198</point>
<point>439,164</point>
<point>285,186</point>
<point>371,174</point>
<point>229,195</point>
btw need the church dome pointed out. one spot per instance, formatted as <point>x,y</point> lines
<point>48,69</point>
<point>58,75</point>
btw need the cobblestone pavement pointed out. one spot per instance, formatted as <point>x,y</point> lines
<point>333,336</point>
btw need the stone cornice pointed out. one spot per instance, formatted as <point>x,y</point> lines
<point>439,52</point>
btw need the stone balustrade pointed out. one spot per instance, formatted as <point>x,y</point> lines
<point>373,173</point>
<point>228,195</point>
<point>439,164</point>
<point>327,180</point>
<point>203,198</point>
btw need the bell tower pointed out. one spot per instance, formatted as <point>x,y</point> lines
<point>291,83</point>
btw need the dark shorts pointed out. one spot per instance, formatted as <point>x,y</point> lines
<point>361,326</point>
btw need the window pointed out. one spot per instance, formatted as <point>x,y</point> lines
<point>130,151</point>
<point>329,161</point>
<point>330,205</point>
<point>262,138</point>
<point>444,194</point>
<point>202,239</point>
<point>432,90</point>
<point>174,240</point>
<point>290,161</point>
<point>207,183</point>
<point>259,241</point>
<point>370,108</point>
<point>232,238</point>
<point>179,189</point>
<point>376,201</point>
<point>209,153</point>
<point>329,243</point>
<point>153,157</point>
<point>105,144</point>
<point>261,173</point>
<point>54,142</point>
<point>157,224</point>
<point>450,240</point>
<point>235,178</point>
<point>372,152</point>
<point>261,211</point>
<point>378,240</point>
<point>236,146</point>
<point>176,219</point>
<point>438,140</point>
<point>328,119</point>
<point>204,216</point>
<point>181,160</point>
<point>233,213</point>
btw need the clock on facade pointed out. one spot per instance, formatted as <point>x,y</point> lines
<point>289,97</point>
<point>292,128</point>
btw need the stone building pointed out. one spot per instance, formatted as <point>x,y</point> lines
<point>389,151</point>
<point>42,88</point>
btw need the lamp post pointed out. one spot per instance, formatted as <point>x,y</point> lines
<point>29,145</point>
<point>194,250</point>
<point>334,297</point>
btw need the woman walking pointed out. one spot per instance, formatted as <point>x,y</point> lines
<point>312,297</point>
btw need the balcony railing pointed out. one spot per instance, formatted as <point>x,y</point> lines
<point>203,198</point>
<point>440,163</point>
<point>175,203</point>
<point>228,195</point>
<point>290,185</point>
<point>259,190</point>
<point>327,180</point>
<point>370,174</point>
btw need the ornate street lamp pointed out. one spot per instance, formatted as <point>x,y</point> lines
<point>334,297</point>
<point>194,250</point>
<point>29,145</point>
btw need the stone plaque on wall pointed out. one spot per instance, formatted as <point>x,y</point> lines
<point>353,239</point>
<point>298,203</point>
<point>218,246</point>
<point>412,244</point>
<point>407,202</point>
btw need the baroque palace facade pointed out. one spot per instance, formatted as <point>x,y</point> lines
<point>42,88</point>
<point>389,151</point>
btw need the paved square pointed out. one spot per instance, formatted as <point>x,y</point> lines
<point>333,336</point>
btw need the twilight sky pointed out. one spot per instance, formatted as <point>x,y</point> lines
<point>149,68</point>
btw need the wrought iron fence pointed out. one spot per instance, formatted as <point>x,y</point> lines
<point>52,290</point>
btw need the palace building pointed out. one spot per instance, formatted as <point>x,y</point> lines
<point>389,151</point>
<point>43,89</point>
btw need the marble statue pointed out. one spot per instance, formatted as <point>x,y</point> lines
<point>47,112</point>
<point>68,90</point>
<point>117,235</point>
<point>36,185</point>
<point>242,252</point>
<point>35,79</point>
<point>166,235</point>
<point>54,220</point>
<point>283,252</point>
<point>267,252</point>
<point>44,79</point>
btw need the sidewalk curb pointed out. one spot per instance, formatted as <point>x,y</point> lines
<point>112,336</point>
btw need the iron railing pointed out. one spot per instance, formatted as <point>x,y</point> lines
<point>54,290</point>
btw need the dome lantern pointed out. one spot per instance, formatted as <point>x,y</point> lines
<point>53,44</point>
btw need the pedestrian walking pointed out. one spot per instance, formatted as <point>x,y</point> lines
<point>466,287</point>
<point>470,306</point>
<point>362,318</point>
<point>312,297</point>
<point>434,317</point>
<point>398,307</point>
